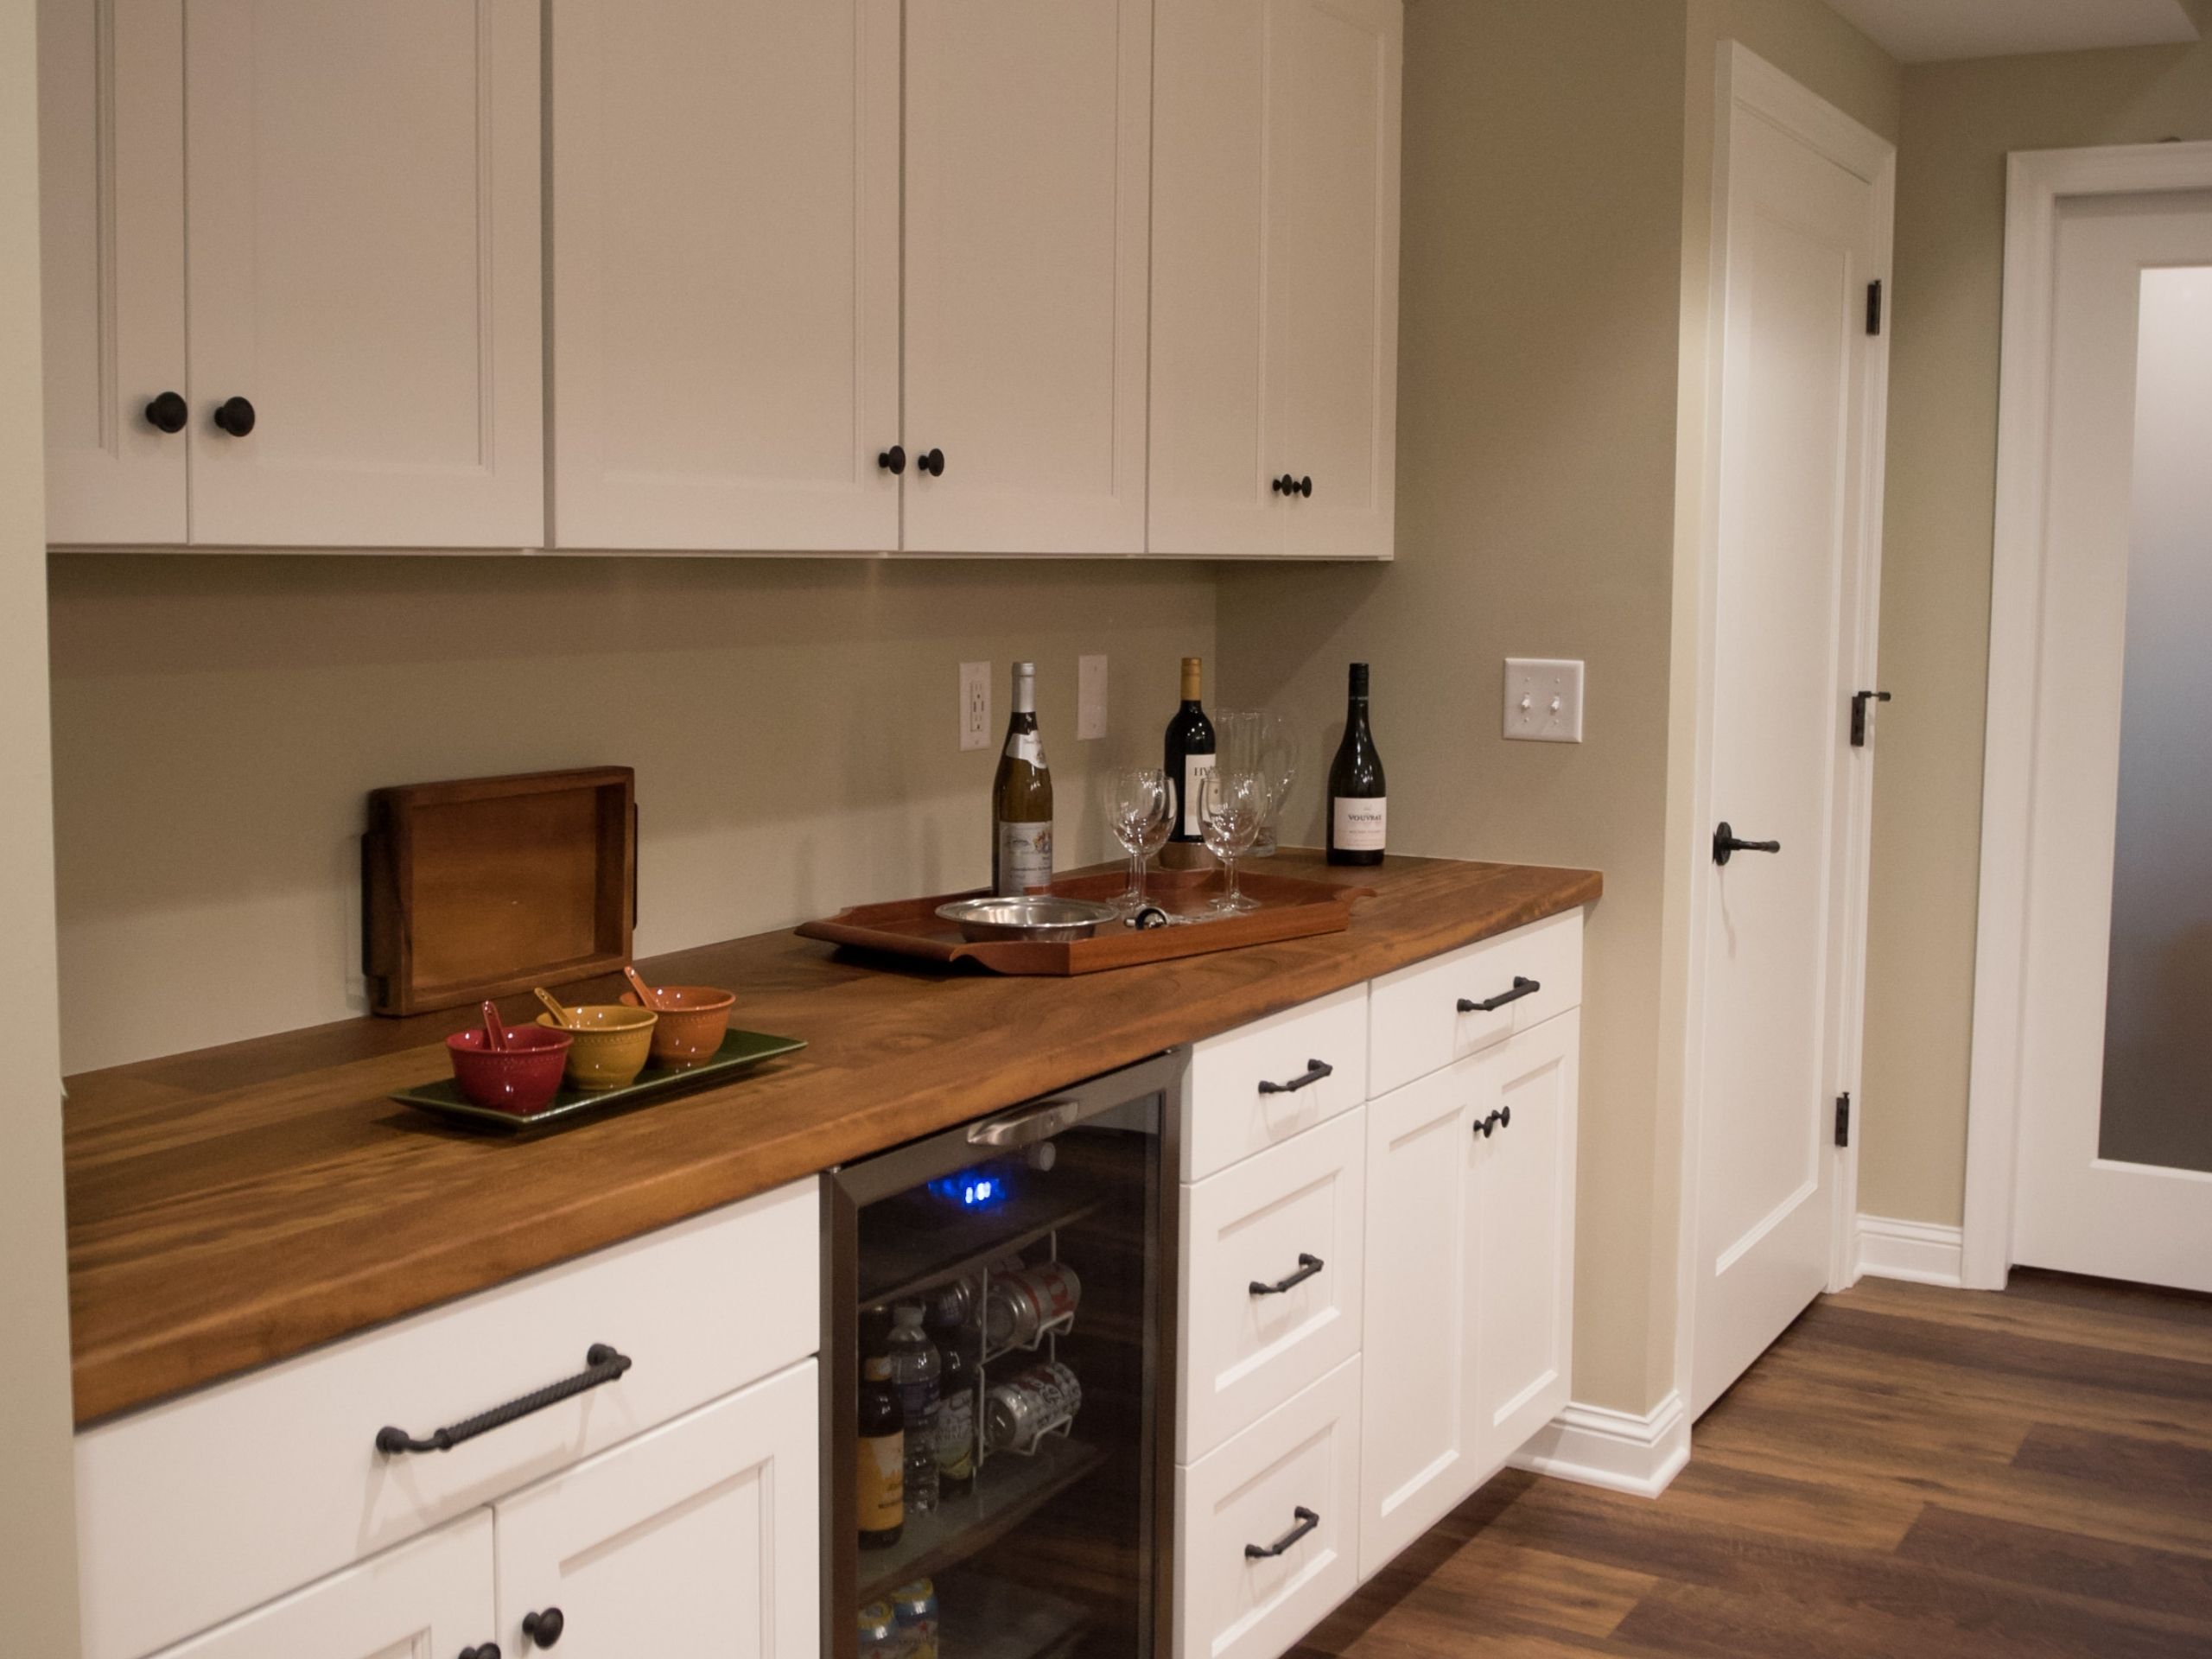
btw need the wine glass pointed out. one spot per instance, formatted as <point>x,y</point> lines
<point>1139,806</point>
<point>1279,754</point>
<point>1232,803</point>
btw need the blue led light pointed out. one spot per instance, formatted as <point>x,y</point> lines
<point>971,1190</point>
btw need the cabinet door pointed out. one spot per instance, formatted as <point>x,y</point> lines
<point>1274,276</point>
<point>1028,144</point>
<point>1418,1455</point>
<point>725,249</point>
<point>363,246</point>
<point>111,260</point>
<point>431,1597</point>
<point>699,1537</point>
<point>1524,1227</point>
<point>1332,260</point>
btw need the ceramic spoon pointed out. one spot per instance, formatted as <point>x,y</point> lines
<point>646,997</point>
<point>553,1006</point>
<point>495,1029</point>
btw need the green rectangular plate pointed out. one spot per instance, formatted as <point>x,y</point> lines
<point>740,1049</point>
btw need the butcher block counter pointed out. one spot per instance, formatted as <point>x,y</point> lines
<point>237,1205</point>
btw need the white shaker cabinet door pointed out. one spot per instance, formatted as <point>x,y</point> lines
<point>1275,277</point>
<point>1028,144</point>
<point>111,246</point>
<point>700,1536</point>
<point>725,257</point>
<point>363,189</point>
<point>432,1598</point>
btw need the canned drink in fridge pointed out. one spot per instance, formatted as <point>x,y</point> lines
<point>1021,1304</point>
<point>1017,1412</point>
<point>915,1607</point>
<point>879,1632</point>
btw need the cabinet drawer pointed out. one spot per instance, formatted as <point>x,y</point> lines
<point>1294,1211</point>
<point>1245,1090</point>
<point>287,1458</point>
<point>1417,1024</point>
<point>1299,1461</point>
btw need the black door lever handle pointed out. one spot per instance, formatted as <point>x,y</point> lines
<point>1726,843</point>
<point>1859,702</point>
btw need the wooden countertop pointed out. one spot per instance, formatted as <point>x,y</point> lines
<point>240,1204</point>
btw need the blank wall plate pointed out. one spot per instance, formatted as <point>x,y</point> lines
<point>1543,700</point>
<point>974,705</point>
<point>1090,698</point>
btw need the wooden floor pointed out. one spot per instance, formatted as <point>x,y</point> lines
<point>1909,1471</point>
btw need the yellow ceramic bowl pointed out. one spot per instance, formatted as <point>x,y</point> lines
<point>610,1044</point>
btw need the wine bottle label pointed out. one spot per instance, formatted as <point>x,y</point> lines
<point>1360,824</point>
<point>1027,745</point>
<point>882,1482</point>
<point>1195,767</point>
<point>1025,858</point>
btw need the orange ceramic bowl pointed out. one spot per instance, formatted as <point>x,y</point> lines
<point>521,1078</point>
<point>692,1020</point>
<point>608,1044</point>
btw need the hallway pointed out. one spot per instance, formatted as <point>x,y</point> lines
<point>1911,1471</point>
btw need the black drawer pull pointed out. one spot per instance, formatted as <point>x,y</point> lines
<point>602,1365</point>
<point>1306,1522</point>
<point>1491,1004</point>
<point>1307,1267</point>
<point>1500,1119</point>
<point>1315,1070</point>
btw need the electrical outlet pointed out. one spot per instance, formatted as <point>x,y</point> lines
<point>1090,698</point>
<point>974,705</point>
<point>1543,700</point>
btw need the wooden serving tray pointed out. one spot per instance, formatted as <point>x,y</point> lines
<point>1290,908</point>
<point>484,886</point>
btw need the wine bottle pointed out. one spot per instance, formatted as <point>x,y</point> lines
<point>1022,799</point>
<point>1358,805</point>
<point>1189,757</point>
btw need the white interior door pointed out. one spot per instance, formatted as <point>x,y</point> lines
<point>364,192</point>
<point>1029,160</point>
<point>2115,1146</point>
<point>725,246</point>
<point>1803,235</point>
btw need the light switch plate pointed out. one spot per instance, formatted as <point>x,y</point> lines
<point>1543,700</point>
<point>1090,698</point>
<point>974,705</point>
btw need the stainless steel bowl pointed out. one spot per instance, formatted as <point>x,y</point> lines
<point>1033,916</point>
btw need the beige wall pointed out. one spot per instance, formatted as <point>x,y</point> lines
<point>38,1556</point>
<point>219,719</point>
<point>1960,121</point>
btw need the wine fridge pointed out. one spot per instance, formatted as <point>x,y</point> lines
<point>998,1474</point>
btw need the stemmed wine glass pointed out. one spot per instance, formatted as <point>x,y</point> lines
<point>1139,807</point>
<point>1233,803</point>
<point>1279,757</point>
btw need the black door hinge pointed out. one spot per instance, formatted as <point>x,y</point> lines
<point>1843,1120</point>
<point>1859,702</point>
<point>1874,306</point>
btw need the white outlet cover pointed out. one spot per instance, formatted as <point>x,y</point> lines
<point>974,705</point>
<point>1543,700</point>
<point>1090,698</point>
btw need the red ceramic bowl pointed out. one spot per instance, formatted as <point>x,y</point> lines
<point>522,1077</point>
<point>692,1020</point>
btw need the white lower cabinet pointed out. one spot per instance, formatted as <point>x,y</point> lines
<point>431,1597</point>
<point>700,1537</point>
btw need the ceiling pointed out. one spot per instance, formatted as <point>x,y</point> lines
<point>1929,31</point>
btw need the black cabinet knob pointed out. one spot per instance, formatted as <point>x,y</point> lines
<point>1500,1119</point>
<point>932,461</point>
<point>892,460</point>
<point>235,416</point>
<point>168,412</point>
<point>1288,485</point>
<point>544,1629</point>
<point>489,1650</point>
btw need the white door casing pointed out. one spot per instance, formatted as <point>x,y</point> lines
<point>725,264</point>
<point>1028,156</point>
<point>2077,1209</point>
<point>362,244</point>
<point>1788,573</point>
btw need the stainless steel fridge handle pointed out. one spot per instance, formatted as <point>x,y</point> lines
<point>1026,1127</point>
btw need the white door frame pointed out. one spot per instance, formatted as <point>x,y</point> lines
<point>1747,81</point>
<point>2035,182</point>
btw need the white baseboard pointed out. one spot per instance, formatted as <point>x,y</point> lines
<point>1918,1250</point>
<point>1617,1449</point>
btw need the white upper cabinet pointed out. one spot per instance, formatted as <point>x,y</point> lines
<point>725,259</point>
<point>1274,287</point>
<point>363,188</point>
<point>1027,158</point>
<point>111,224</point>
